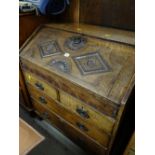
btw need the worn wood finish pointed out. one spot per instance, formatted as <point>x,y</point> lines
<point>69,130</point>
<point>99,103</point>
<point>109,85</point>
<point>25,101</point>
<point>41,85</point>
<point>110,34</point>
<point>28,23</point>
<point>101,96</point>
<point>100,137</point>
<point>94,117</point>
<point>119,14</point>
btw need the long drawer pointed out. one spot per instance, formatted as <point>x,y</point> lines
<point>70,131</point>
<point>78,107</point>
<point>90,115</point>
<point>99,136</point>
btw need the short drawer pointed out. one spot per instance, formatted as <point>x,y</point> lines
<point>89,114</point>
<point>87,129</point>
<point>70,131</point>
<point>40,85</point>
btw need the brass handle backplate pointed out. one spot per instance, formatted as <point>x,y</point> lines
<point>81,127</point>
<point>39,86</point>
<point>82,112</point>
<point>42,100</point>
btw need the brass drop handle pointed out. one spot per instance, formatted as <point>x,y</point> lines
<point>77,40</point>
<point>81,127</point>
<point>39,86</point>
<point>82,112</point>
<point>45,115</point>
<point>42,100</point>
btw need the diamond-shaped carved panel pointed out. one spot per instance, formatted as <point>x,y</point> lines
<point>49,48</point>
<point>91,63</point>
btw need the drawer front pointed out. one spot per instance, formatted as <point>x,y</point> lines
<point>69,130</point>
<point>41,85</point>
<point>99,103</point>
<point>87,113</point>
<point>101,137</point>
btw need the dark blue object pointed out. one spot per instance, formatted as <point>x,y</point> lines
<point>50,7</point>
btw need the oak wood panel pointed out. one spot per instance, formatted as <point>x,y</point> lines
<point>111,85</point>
<point>99,136</point>
<point>96,102</point>
<point>69,130</point>
<point>94,117</point>
<point>25,101</point>
<point>28,23</point>
<point>110,34</point>
<point>106,93</point>
<point>41,85</point>
<point>119,14</point>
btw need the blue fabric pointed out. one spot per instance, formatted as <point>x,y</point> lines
<point>50,6</point>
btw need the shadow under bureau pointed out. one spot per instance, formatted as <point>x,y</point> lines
<point>79,78</point>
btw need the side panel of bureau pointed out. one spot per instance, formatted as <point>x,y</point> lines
<point>69,130</point>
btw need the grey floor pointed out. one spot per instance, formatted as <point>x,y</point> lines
<point>55,143</point>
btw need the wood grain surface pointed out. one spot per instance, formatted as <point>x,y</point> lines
<point>98,135</point>
<point>112,13</point>
<point>69,130</point>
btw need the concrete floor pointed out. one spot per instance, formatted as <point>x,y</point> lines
<point>55,143</point>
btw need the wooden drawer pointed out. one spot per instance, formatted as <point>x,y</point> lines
<point>87,113</point>
<point>69,130</point>
<point>41,85</point>
<point>101,105</point>
<point>99,136</point>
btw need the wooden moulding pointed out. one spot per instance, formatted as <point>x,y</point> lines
<point>110,34</point>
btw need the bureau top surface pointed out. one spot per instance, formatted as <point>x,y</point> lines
<point>90,60</point>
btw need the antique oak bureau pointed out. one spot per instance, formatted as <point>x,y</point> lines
<point>79,78</point>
